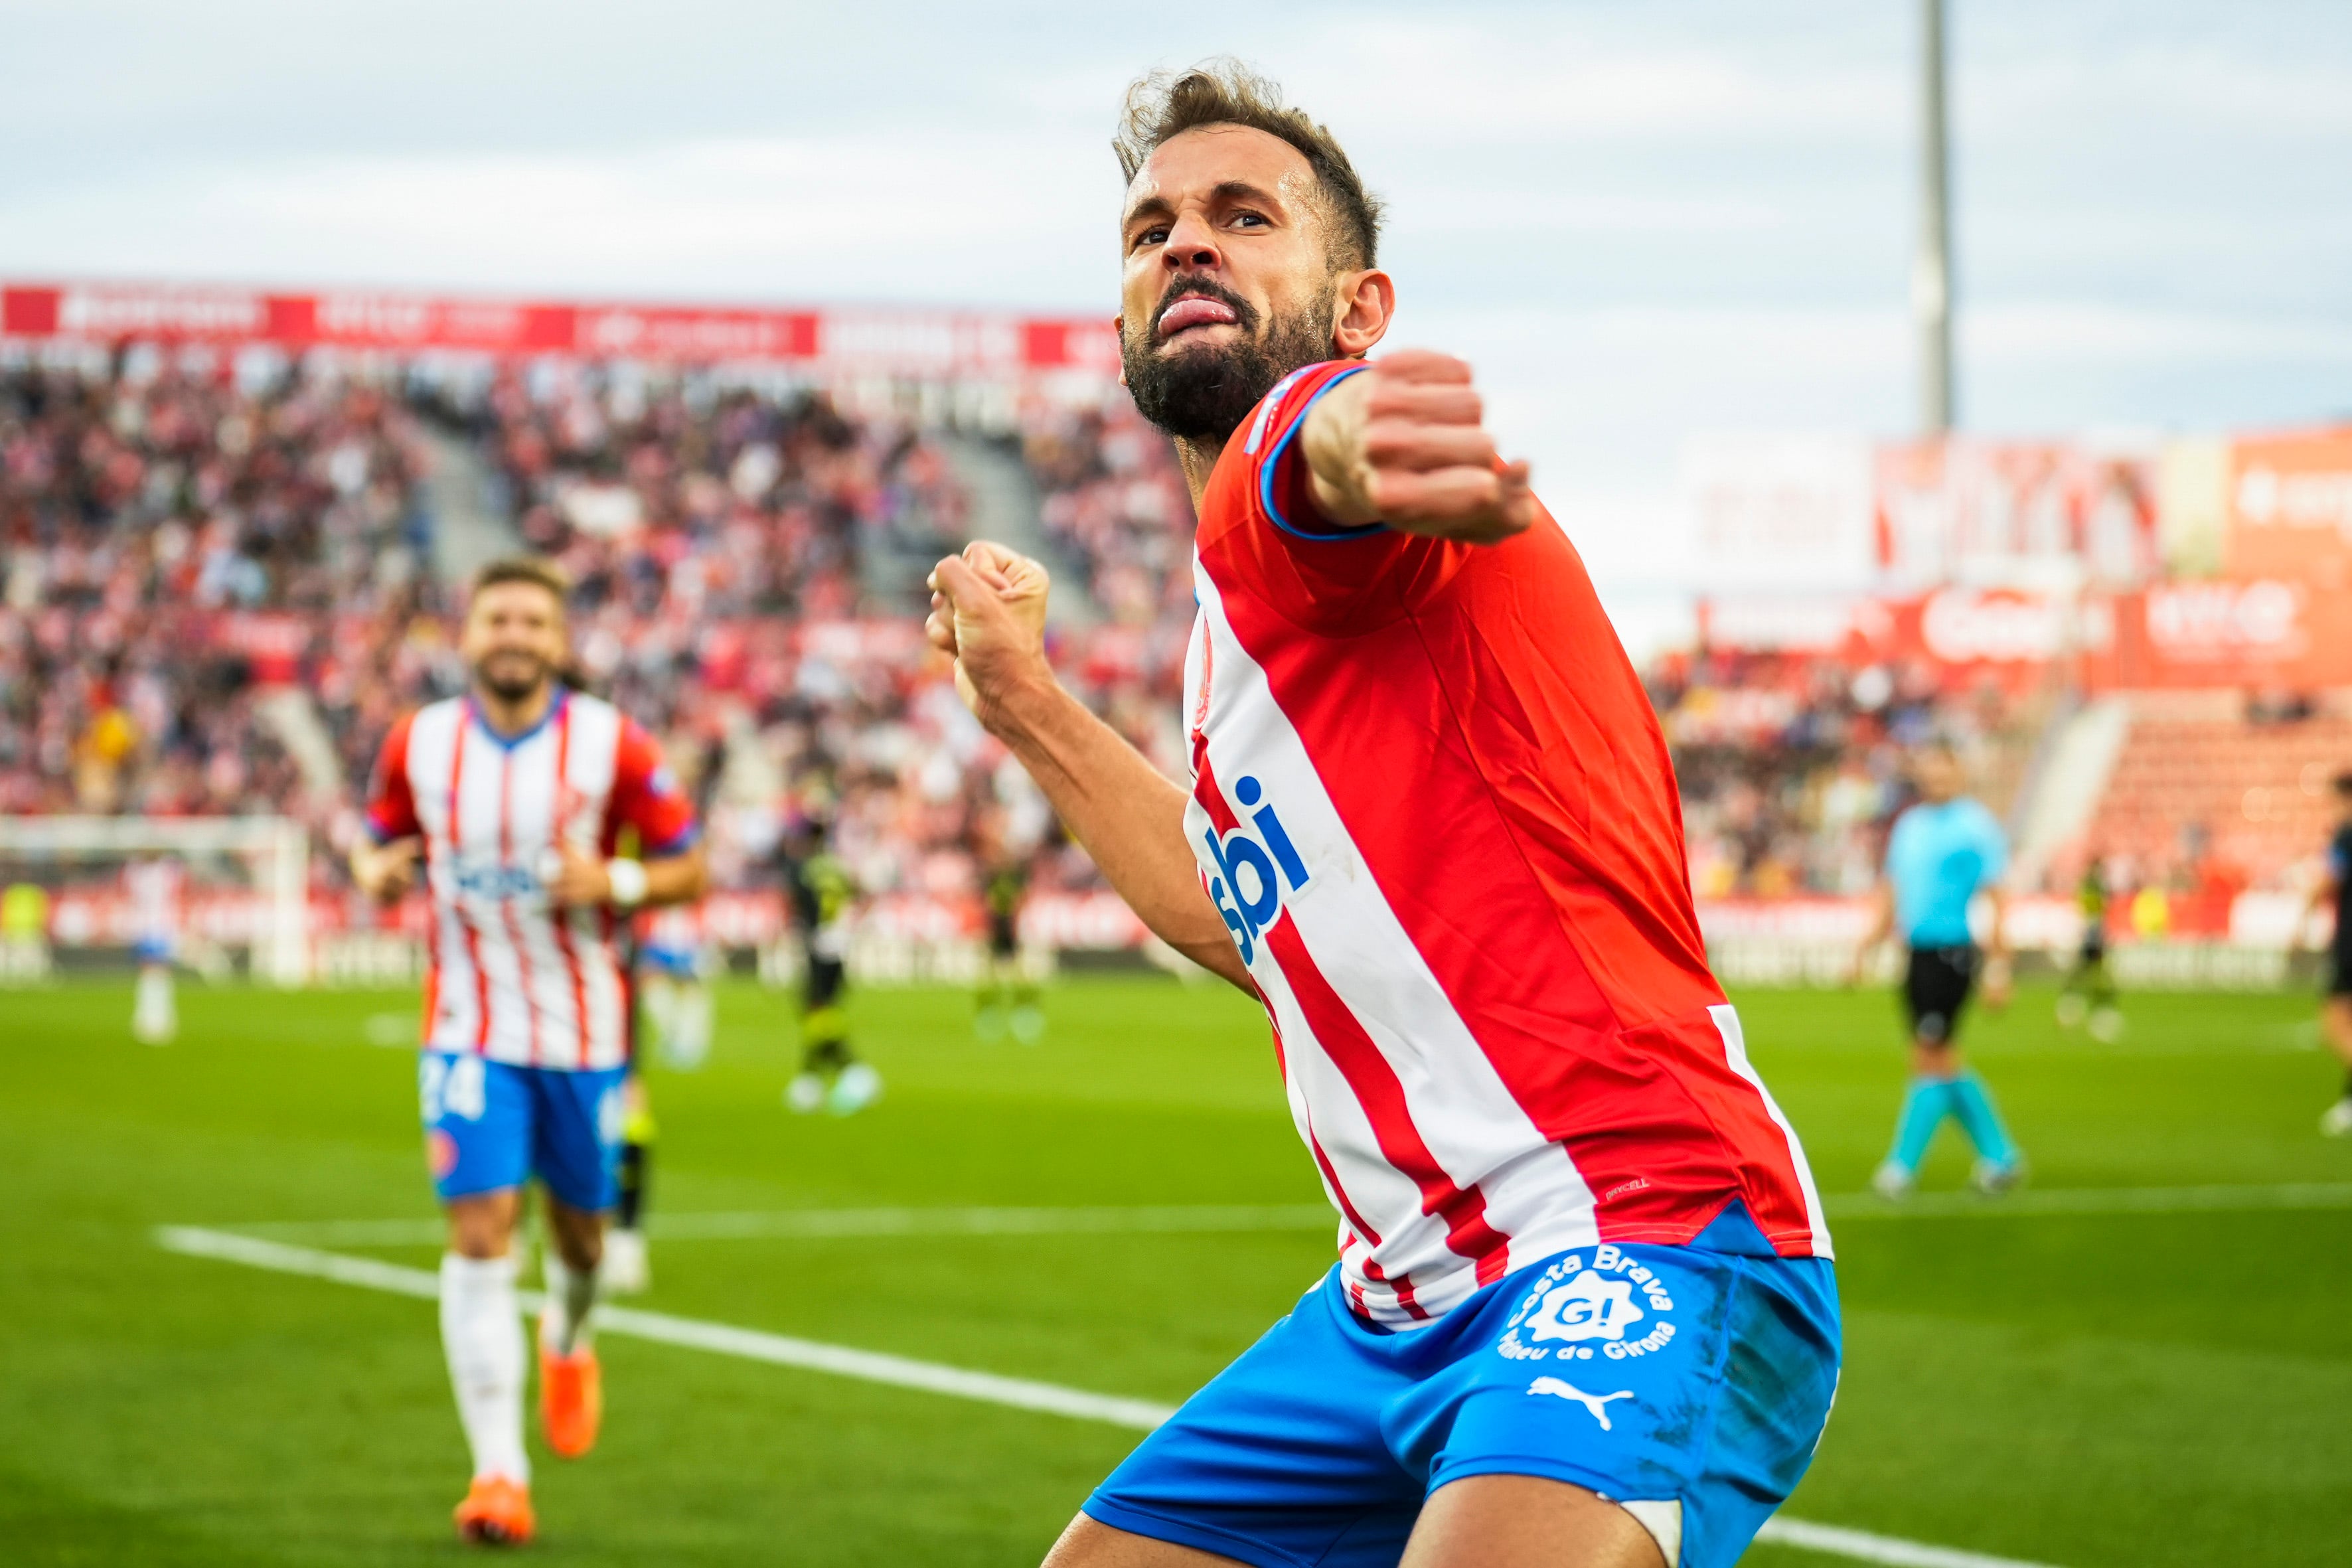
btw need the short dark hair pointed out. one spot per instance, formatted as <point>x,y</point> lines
<point>1163,105</point>
<point>2343,781</point>
<point>535,569</point>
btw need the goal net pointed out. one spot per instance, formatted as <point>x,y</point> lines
<point>107,892</point>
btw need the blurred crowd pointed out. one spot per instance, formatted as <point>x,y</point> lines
<point>217,589</point>
<point>217,592</point>
<point>171,533</point>
<point>1792,767</point>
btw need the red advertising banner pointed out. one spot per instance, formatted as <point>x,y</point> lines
<point>909,341</point>
<point>2290,500</point>
<point>2260,632</point>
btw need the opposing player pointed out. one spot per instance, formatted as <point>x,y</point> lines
<point>1006,996</point>
<point>2334,893</point>
<point>2090,987</point>
<point>1432,824</point>
<point>1944,850</point>
<point>153,885</point>
<point>510,800</point>
<point>830,1077</point>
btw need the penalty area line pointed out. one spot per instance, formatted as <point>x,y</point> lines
<point>927,1377</point>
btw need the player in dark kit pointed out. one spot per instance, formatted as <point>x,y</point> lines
<point>1006,997</point>
<point>830,1077</point>
<point>2090,987</point>
<point>2334,892</point>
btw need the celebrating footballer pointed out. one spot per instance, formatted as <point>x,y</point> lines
<point>1583,1314</point>
<point>511,800</point>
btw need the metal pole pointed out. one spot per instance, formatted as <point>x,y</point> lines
<point>1931,277</point>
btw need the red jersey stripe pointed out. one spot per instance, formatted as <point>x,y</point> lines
<point>1376,1089</point>
<point>506,902</point>
<point>563,917</point>
<point>457,902</point>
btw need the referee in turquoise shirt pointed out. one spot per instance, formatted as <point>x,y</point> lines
<point>1944,851</point>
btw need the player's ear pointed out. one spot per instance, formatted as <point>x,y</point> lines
<point>1118,331</point>
<point>1364,304</point>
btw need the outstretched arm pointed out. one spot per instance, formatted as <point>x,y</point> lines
<point>988,610</point>
<point>1403,444</point>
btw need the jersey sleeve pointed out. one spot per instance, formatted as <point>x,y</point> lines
<point>647,797</point>
<point>1327,575</point>
<point>391,801</point>
<point>1992,847</point>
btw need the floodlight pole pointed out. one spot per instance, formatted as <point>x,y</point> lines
<point>1931,275</point>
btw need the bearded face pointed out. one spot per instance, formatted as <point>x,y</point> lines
<point>514,640</point>
<point>1199,385</point>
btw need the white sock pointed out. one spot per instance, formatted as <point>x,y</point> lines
<point>481,1335</point>
<point>570,1298</point>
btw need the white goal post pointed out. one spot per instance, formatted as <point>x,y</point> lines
<point>276,849</point>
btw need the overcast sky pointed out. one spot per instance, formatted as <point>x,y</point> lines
<point>1639,221</point>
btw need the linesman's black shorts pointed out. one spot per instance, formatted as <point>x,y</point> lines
<point>1935,986</point>
<point>824,980</point>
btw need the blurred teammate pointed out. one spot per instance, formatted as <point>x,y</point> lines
<point>2335,892</point>
<point>153,887</point>
<point>512,799</point>
<point>1944,851</point>
<point>674,991</point>
<point>830,1077</point>
<point>2089,988</point>
<point>1007,996</point>
<point>1431,823</point>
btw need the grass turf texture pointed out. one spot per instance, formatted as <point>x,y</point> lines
<point>2095,1391</point>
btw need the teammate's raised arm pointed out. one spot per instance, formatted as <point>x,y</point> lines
<point>988,612</point>
<point>1404,444</point>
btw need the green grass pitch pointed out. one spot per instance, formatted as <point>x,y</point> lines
<point>2092,1391</point>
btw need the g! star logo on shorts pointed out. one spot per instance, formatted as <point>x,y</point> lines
<point>1573,1311</point>
<point>1252,867</point>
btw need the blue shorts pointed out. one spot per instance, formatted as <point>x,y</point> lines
<point>1643,1374</point>
<point>680,963</point>
<point>491,1125</point>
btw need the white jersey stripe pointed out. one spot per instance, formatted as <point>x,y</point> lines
<point>1735,1051</point>
<point>1459,1105</point>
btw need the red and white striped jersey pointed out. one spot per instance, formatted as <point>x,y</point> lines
<point>513,977</point>
<point>1432,805</point>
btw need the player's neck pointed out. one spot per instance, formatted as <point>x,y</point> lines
<point>1198,456</point>
<point>511,718</point>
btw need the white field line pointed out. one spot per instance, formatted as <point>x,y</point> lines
<point>818,1223</point>
<point>929,1378</point>
<point>750,1344</point>
<point>2097,1201</point>
<point>1236,1218</point>
<point>1864,1547</point>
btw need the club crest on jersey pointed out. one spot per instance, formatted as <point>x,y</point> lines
<point>1577,1308</point>
<point>1253,863</point>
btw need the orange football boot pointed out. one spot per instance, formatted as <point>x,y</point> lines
<point>496,1512</point>
<point>570,1399</point>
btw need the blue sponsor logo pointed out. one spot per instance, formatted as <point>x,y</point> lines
<point>1252,870</point>
<point>493,879</point>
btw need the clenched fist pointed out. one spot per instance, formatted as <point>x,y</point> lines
<point>988,613</point>
<point>1404,444</point>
